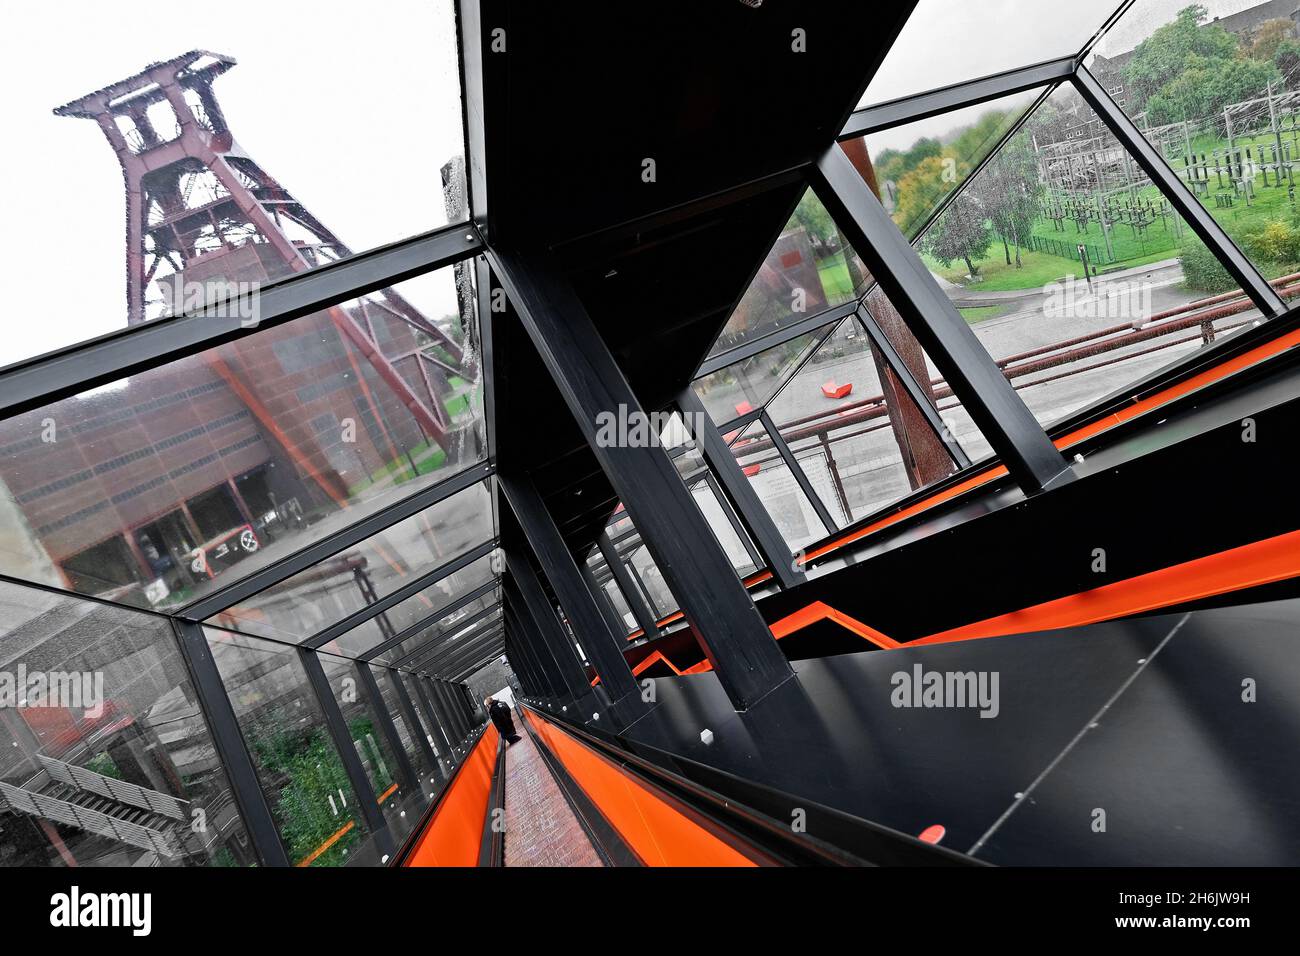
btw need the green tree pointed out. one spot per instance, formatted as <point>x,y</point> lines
<point>1162,57</point>
<point>1206,86</point>
<point>1263,45</point>
<point>962,232</point>
<point>1010,192</point>
<point>1287,61</point>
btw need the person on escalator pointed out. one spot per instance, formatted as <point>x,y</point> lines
<point>499,712</point>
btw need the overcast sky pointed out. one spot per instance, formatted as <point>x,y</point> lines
<point>950,41</point>
<point>353,107</point>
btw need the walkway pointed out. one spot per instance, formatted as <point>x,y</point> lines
<point>541,829</point>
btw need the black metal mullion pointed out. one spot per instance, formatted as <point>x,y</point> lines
<point>920,397</point>
<point>330,545</point>
<point>603,645</point>
<point>989,398</point>
<point>554,641</point>
<point>407,590</point>
<point>431,619</point>
<point>740,493</point>
<point>44,379</point>
<point>228,739</point>
<point>370,687</point>
<point>779,443</point>
<point>455,631</point>
<point>1180,197</point>
<point>412,718</point>
<point>347,751</point>
<point>910,109</point>
<point>644,615</point>
<point>774,338</point>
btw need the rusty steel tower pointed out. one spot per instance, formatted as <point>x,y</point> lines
<point>200,210</point>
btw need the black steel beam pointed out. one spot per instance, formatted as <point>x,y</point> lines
<point>740,493</point>
<point>371,814</point>
<point>920,397</point>
<point>604,646</point>
<point>645,616</point>
<point>47,378</point>
<point>909,109</point>
<point>554,649</point>
<point>1180,197</point>
<point>330,545</point>
<point>407,590</point>
<point>487,657</point>
<point>413,721</point>
<point>438,724</point>
<point>228,740</point>
<point>370,687</point>
<point>616,624</point>
<point>528,641</point>
<point>1007,424</point>
<point>425,623</point>
<point>742,650</point>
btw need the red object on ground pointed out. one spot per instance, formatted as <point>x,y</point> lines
<point>831,390</point>
<point>932,834</point>
<point>751,470</point>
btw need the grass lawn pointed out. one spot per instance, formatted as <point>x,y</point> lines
<point>834,273</point>
<point>982,312</point>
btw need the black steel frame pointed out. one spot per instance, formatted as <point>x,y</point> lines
<point>529,625</point>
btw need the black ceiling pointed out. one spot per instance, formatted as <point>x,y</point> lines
<point>711,90</point>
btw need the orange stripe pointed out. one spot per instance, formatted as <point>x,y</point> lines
<point>338,835</point>
<point>1262,562</point>
<point>655,830</point>
<point>453,836</point>
<point>384,796</point>
<point>1177,390</point>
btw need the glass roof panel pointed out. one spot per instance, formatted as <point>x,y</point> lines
<point>808,270</point>
<point>746,385</point>
<point>1218,98</point>
<point>329,591</point>
<point>951,41</point>
<point>162,487</point>
<point>339,141</point>
<point>1010,252</point>
<point>445,627</point>
<point>792,513</point>
<point>917,165</point>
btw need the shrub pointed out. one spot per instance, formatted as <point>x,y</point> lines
<point>1278,241</point>
<point>1202,271</point>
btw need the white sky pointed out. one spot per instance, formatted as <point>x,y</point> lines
<point>950,41</point>
<point>353,107</point>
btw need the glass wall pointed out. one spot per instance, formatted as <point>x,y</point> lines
<point>106,758</point>
<point>162,487</point>
<point>314,806</point>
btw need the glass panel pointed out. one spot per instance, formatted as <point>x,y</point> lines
<point>951,411</point>
<point>439,739</point>
<point>732,391</point>
<point>159,488</point>
<point>311,799</point>
<point>1213,88</point>
<point>400,800</point>
<point>324,594</point>
<point>918,164</point>
<point>808,270</point>
<point>105,756</point>
<point>950,41</point>
<point>655,588</point>
<point>791,511</point>
<point>446,627</point>
<point>427,773</point>
<point>346,169</point>
<point>1010,252</point>
<point>442,644</point>
<point>854,430</point>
